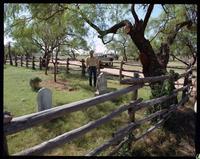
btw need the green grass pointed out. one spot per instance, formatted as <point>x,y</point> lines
<point>20,100</point>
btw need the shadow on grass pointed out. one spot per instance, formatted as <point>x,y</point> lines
<point>182,124</point>
<point>176,138</point>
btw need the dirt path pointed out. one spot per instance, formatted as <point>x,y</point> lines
<point>115,72</point>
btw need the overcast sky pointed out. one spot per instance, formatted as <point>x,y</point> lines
<point>95,42</point>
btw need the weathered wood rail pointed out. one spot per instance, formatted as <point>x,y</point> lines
<point>28,121</point>
<point>79,65</point>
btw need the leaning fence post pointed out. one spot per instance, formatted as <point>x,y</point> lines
<point>26,61</point>
<point>120,70</point>
<point>5,146</point>
<point>15,60</point>
<point>134,97</point>
<point>83,67</point>
<point>132,114</point>
<point>67,66</point>
<point>40,63</point>
<point>33,63</point>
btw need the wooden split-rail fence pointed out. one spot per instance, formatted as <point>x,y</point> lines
<point>36,62</point>
<point>68,65</point>
<point>120,136</point>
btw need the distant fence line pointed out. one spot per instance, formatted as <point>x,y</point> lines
<point>79,65</point>
<point>30,120</point>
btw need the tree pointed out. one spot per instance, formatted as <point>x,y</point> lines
<point>123,46</point>
<point>47,34</point>
<point>119,45</point>
<point>162,27</point>
<point>153,64</point>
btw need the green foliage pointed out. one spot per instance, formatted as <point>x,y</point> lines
<point>44,27</point>
<point>166,23</point>
<point>163,89</point>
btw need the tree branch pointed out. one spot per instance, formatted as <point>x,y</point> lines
<point>171,38</point>
<point>134,13</point>
<point>102,33</point>
<point>161,29</point>
<point>164,9</point>
<point>108,40</point>
<point>192,50</point>
<point>179,59</point>
<point>37,43</point>
<point>147,16</point>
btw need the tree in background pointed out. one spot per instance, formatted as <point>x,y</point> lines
<point>186,39</point>
<point>36,29</point>
<point>154,60</point>
<point>108,20</point>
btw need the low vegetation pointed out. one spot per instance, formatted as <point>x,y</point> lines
<point>20,100</point>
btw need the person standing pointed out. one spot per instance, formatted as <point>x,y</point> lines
<point>44,96</point>
<point>92,63</point>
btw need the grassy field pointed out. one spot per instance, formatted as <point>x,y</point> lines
<point>20,100</point>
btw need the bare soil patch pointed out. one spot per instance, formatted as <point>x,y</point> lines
<point>59,85</point>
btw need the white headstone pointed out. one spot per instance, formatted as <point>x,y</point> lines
<point>44,99</point>
<point>101,84</point>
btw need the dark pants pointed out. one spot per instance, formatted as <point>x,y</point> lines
<point>92,70</point>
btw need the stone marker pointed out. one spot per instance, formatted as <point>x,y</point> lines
<point>101,84</point>
<point>44,99</point>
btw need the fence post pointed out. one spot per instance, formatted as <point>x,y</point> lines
<point>15,60</point>
<point>21,59</point>
<point>26,61</point>
<point>134,97</point>
<point>5,146</point>
<point>67,66</point>
<point>120,70</point>
<point>33,63</point>
<point>40,63</point>
<point>83,67</point>
<point>132,114</point>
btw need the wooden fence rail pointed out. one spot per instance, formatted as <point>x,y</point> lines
<point>81,64</point>
<point>27,121</point>
<point>66,137</point>
<point>34,119</point>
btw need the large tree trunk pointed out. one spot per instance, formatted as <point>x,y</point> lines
<point>46,60</point>
<point>152,65</point>
<point>149,61</point>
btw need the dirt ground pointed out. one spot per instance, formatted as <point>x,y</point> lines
<point>59,85</point>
